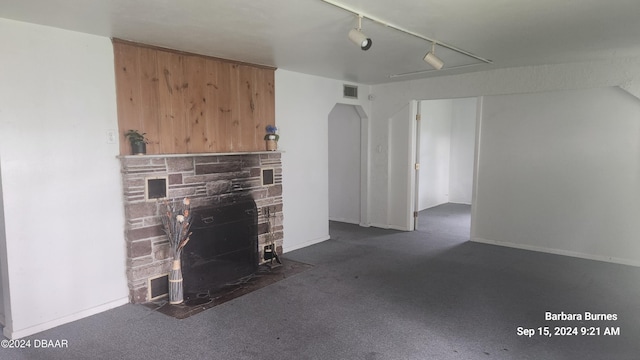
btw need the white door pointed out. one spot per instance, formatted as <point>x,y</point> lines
<point>401,171</point>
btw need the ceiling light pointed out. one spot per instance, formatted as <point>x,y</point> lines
<point>387,24</point>
<point>432,59</point>
<point>359,38</point>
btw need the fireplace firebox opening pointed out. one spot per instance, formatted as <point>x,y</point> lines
<point>223,247</point>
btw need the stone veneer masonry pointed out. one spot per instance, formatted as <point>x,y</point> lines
<point>207,179</point>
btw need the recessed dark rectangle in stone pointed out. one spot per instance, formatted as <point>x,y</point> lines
<point>267,177</point>
<point>159,286</point>
<point>157,188</point>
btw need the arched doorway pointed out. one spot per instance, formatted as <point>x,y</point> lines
<point>348,154</point>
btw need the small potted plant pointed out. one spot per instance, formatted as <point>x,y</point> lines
<point>272,137</point>
<point>138,142</point>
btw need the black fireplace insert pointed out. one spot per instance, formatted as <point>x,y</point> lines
<point>223,247</point>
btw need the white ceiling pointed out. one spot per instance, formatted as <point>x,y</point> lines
<point>310,36</point>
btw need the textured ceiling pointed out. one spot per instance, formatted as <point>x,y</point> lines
<point>310,36</point>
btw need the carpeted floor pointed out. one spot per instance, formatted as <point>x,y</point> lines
<point>383,294</point>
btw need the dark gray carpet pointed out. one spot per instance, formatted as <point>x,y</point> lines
<point>382,294</point>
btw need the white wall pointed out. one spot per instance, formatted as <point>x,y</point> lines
<point>435,152</point>
<point>4,279</point>
<point>303,104</point>
<point>561,171</point>
<point>529,80</point>
<point>463,140</point>
<point>344,164</point>
<point>64,223</point>
<point>447,146</point>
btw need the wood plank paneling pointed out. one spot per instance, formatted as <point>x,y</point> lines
<point>150,97</point>
<point>269,102</point>
<point>224,120</point>
<point>212,107</point>
<point>194,102</point>
<point>246,104</point>
<point>265,103</point>
<point>128,92</point>
<point>233,126</point>
<point>165,93</point>
<point>190,103</point>
<point>178,109</point>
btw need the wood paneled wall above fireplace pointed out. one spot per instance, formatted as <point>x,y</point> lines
<point>189,103</point>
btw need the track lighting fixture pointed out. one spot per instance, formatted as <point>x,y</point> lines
<point>432,59</point>
<point>359,38</point>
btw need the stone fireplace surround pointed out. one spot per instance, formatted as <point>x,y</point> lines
<point>207,179</point>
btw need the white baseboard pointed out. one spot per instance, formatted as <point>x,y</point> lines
<point>576,254</point>
<point>460,203</point>
<point>286,248</point>
<point>381,226</point>
<point>355,222</point>
<point>344,220</point>
<point>399,228</point>
<point>10,334</point>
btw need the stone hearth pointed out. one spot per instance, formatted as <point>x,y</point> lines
<point>208,180</point>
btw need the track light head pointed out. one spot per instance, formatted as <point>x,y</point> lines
<point>360,39</point>
<point>432,59</point>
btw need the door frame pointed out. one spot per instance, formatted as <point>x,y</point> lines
<point>406,165</point>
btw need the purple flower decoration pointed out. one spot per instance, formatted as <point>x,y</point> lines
<point>271,133</point>
<point>271,129</point>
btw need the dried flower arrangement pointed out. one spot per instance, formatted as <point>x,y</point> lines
<point>177,222</point>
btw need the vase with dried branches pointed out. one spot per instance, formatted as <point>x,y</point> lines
<point>177,222</point>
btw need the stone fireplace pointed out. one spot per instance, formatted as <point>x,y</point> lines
<point>210,181</point>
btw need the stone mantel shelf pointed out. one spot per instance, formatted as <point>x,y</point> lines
<point>197,154</point>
